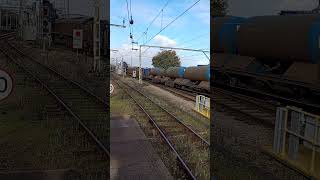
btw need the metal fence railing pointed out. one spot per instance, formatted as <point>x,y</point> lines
<point>297,137</point>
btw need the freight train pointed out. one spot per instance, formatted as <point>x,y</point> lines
<point>195,78</point>
<point>279,55</point>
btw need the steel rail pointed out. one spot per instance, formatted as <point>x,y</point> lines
<point>91,134</point>
<point>59,74</point>
<point>283,100</point>
<point>173,116</point>
<point>249,99</point>
<point>181,93</point>
<point>184,164</point>
<point>242,111</point>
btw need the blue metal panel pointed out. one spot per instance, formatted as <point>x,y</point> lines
<point>314,46</point>
<point>227,34</point>
<point>208,74</point>
<point>146,72</point>
<point>181,71</point>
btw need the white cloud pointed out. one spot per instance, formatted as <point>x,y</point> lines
<point>164,41</point>
<point>126,52</point>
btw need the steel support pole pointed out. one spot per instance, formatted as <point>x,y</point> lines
<point>0,19</point>
<point>10,18</point>
<point>122,68</point>
<point>68,8</point>
<point>99,36</point>
<point>96,36</point>
<point>7,21</point>
<point>140,80</point>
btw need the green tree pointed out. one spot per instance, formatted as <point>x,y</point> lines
<point>219,8</point>
<point>166,59</point>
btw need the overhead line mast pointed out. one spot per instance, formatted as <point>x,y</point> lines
<point>96,36</point>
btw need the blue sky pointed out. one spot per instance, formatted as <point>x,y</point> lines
<point>192,30</point>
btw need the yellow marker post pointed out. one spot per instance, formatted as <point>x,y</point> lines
<point>203,105</point>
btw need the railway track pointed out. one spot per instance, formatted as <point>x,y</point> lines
<point>181,93</point>
<point>184,93</point>
<point>87,110</point>
<point>252,112</point>
<point>191,150</point>
<point>191,118</point>
<point>72,69</point>
<point>312,107</point>
<point>256,109</point>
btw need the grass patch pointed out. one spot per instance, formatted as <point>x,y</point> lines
<point>119,104</point>
<point>196,157</point>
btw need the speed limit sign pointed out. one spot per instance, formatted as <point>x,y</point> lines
<point>111,88</point>
<point>5,84</point>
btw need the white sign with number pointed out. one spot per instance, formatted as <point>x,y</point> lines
<point>77,38</point>
<point>111,88</point>
<point>5,84</point>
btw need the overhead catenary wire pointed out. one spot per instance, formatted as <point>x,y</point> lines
<point>128,10</point>
<point>145,33</point>
<point>165,5</point>
<point>197,37</point>
<point>184,57</point>
<point>129,16</point>
<point>161,17</point>
<point>171,23</point>
<point>194,55</point>
<point>174,20</point>
<point>193,45</point>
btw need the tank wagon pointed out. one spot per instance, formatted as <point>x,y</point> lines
<point>277,54</point>
<point>146,73</point>
<point>193,78</point>
<point>156,75</point>
<point>196,78</point>
<point>174,76</point>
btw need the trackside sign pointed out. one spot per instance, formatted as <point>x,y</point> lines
<point>5,84</point>
<point>77,38</point>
